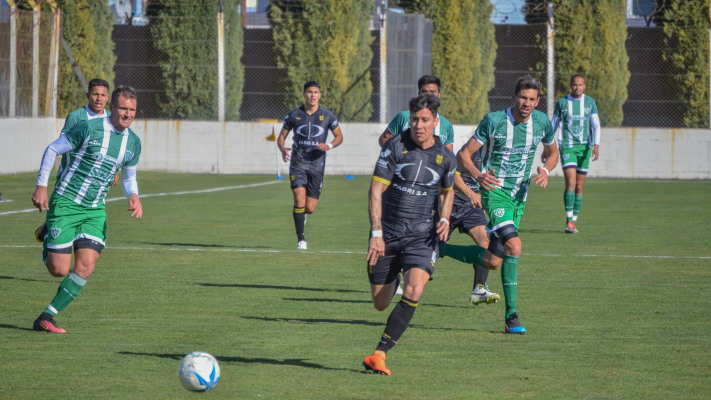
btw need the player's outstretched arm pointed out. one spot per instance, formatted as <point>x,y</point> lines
<point>376,246</point>
<point>39,198</point>
<point>384,137</point>
<point>551,151</point>
<point>281,140</point>
<point>134,205</point>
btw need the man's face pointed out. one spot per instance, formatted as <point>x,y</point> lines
<point>430,88</point>
<point>525,102</point>
<point>577,87</point>
<point>312,95</point>
<point>123,113</point>
<point>422,124</point>
<point>98,97</point>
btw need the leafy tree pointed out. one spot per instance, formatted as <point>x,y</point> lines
<point>327,41</point>
<point>185,37</point>
<point>590,40</point>
<point>463,54</point>
<point>685,25</point>
<point>87,27</point>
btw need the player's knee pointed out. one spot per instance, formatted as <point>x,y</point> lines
<point>57,270</point>
<point>513,247</point>
<point>491,261</point>
<point>381,305</point>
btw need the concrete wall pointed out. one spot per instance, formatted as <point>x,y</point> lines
<point>242,148</point>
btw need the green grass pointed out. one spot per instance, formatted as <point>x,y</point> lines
<point>620,310</point>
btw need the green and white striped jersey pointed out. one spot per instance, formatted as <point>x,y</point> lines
<point>75,117</point>
<point>509,148</point>
<point>577,120</point>
<point>98,152</point>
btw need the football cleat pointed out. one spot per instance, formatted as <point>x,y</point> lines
<point>376,363</point>
<point>513,326</point>
<point>482,296</point>
<point>302,245</point>
<point>41,232</point>
<point>44,324</point>
<point>570,227</point>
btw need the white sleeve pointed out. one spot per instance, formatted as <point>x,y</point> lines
<point>130,184</point>
<point>595,123</point>
<point>555,122</point>
<point>58,147</point>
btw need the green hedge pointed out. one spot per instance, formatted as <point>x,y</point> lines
<point>327,41</point>
<point>686,39</point>
<point>185,37</point>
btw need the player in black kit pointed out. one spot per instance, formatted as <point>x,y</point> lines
<point>310,124</point>
<point>407,219</point>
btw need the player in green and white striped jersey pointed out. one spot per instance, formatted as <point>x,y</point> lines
<point>509,140</point>
<point>577,120</point>
<point>98,96</point>
<point>76,218</point>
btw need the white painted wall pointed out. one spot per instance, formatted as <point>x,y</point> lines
<point>242,148</point>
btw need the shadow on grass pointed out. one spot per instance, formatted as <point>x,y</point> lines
<point>27,279</point>
<point>295,362</point>
<point>238,285</point>
<point>324,300</point>
<point>19,328</point>
<point>351,322</point>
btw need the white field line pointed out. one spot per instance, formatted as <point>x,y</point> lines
<point>284,251</point>
<point>143,196</point>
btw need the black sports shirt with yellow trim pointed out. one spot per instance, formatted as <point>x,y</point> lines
<point>415,178</point>
<point>309,131</point>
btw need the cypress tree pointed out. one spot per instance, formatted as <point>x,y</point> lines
<point>185,37</point>
<point>590,40</point>
<point>686,40</point>
<point>87,27</point>
<point>327,41</point>
<point>463,54</point>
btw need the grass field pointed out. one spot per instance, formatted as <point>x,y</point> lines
<point>619,311</point>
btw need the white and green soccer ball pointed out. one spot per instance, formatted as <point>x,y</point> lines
<point>199,371</point>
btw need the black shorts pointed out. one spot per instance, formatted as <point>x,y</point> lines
<point>306,178</point>
<point>402,254</point>
<point>466,218</point>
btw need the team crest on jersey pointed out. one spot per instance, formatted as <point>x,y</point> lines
<point>499,212</point>
<point>55,232</point>
<point>439,159</point>
<point>566,157</point>
<point>128,155</point>
<point>320,117</point>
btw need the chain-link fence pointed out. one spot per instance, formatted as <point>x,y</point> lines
<point>651,101</point>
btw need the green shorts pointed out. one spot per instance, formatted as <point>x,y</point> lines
<point>501,208</point>
<point>68,221</point>
<point>577,157</point>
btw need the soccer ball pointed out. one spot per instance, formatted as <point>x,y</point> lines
<point>199,371</point>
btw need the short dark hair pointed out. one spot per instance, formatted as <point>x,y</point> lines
<point>572,78</point>
<point>122,90</point>
<point>311,84</point>
<point>426,80</point>
<point>528,82</point>
<point>98,82</point>
<point>428,101</point>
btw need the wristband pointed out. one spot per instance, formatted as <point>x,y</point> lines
<point>376,234</point>
<point>330,146</point>
<point>545,169</point>
<point>445,220</point>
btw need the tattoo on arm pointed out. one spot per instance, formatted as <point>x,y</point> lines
<point>375,224</point>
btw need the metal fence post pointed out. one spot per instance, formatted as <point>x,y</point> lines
<point>35,56</point>
<point>13,58</point>
<point>50,105</point>
<point>550,62</point>
<point>383,62</point>
<point>221,63</point>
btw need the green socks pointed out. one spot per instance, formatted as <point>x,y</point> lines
<point>467,254</point>
<point>569,201</point>
<point>68,291</point>
<point>577,206</point>
<point>509,279</point>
